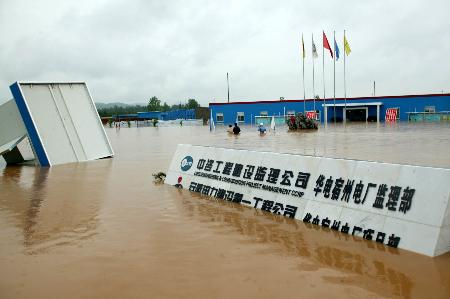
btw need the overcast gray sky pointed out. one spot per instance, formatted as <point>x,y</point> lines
<point>129,50</point>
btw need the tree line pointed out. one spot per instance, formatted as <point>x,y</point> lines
<point>154,104</point>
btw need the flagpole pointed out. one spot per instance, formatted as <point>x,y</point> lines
<point>345,87</point>
<point>304,93</point>
<point>323,74</point>
<point>314,89</point>
<point>334,78</point>
<point>228,84</point>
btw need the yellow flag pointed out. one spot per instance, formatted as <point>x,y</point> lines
<point>346,46</point>
<point>303,48</point>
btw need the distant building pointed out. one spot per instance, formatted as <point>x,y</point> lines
<point>433,107</point>
<point>169,115</point>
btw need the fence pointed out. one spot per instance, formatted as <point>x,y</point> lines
<point>441,116</point>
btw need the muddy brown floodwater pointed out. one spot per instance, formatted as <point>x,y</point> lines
<point>103,229</point>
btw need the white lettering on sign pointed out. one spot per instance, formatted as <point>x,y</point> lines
<point>398,205</point>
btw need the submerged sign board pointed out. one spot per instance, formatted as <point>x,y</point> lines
<point>398,205</point>
<point>61,121</point>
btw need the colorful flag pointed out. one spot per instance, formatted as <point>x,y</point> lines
<point>303,48</point>
<point>314,50</point>
<point>326,45</point>
<point>346,46</point>
<point>336,50</point>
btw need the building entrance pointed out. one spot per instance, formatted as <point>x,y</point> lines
<point>356,114</point>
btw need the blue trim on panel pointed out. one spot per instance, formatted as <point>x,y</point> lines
<point>31,128</point>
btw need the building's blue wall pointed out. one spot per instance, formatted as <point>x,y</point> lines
<point>124,116</point>
<point>180,114</point>
<point>170,115</point>
<point>405,103</point>
<point>149,115</point>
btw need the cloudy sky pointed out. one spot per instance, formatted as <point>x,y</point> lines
<point>130,50</point>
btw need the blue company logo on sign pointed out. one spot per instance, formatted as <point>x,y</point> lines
<point>186,163</point>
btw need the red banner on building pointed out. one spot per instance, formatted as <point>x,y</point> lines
<point>391,114</point>
<point>311,114</point>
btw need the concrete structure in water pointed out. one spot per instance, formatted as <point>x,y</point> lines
<point>427,107</point>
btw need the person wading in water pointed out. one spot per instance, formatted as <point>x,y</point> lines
<point>236,129</point>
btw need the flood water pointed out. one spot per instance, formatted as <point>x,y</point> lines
<point>103,229</point>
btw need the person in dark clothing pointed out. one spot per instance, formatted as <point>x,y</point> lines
<point>236,129</point>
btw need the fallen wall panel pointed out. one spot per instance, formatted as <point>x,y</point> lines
<point>12,130</point>
<point>62,122</point>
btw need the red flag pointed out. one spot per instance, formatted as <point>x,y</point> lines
<point>326,45</point>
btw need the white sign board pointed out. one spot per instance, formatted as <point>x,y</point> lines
<point>398,205</point>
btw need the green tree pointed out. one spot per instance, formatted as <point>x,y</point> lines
<point>176,107</point>
<point>192,104</point>
<point>126,109</point>
<point>165,107</point>
<point>154,104</point>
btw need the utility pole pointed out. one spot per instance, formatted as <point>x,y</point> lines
<point>374,88</point>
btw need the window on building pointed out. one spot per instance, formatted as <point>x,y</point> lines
<point>219,117</point>
<point>290,113</point>
<point>430,109</point>
<point>263,113</point>
<point>240,117</point>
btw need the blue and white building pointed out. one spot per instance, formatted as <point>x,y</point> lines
<point>427,107</point>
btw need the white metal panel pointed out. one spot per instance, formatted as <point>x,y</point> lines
<point>49,123</point>
<point>10,145</point>
<point>12,129</point>
<point>67,123</point>
<point>89,130</point>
